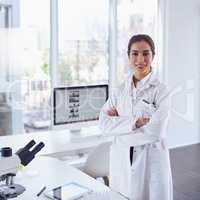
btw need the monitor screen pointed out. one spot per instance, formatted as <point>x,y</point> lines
<point>78,104</point>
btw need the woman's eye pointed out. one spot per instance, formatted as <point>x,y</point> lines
<point>146,54</point>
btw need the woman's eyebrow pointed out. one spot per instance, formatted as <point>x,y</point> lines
<point>134,50</point>
<point>145,50</point>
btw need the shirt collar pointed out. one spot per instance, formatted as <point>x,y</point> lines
<point>149,80</point>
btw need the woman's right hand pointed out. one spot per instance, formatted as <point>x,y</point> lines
<point>112,112</point>
<point>141,122</point>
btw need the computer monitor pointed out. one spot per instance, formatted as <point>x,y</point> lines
<point>78,103</point>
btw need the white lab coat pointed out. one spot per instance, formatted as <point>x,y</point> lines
<point>149,176</point>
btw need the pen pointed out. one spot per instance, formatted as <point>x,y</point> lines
<point>145,101</point>
<point>149,103</point>
<point>41,191</point>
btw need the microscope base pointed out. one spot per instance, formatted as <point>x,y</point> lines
<point>11,191</point>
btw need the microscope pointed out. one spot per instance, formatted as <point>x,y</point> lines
<point>9,165</point>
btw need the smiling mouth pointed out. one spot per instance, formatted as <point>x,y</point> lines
<point>141,66</point>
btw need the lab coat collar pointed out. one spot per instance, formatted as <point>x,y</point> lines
<point>142,82</point>
<point>153,79</point>
<point>149,80</point>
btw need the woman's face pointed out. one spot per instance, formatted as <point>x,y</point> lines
<point>140,58</point>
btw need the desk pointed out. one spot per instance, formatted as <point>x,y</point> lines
<point>50,172</point>
<point>59,144</point>
<point>56,142</point>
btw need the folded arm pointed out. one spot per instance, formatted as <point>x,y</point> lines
<point>155,129</point>
<point>126,128</point>
<point>109,120</point>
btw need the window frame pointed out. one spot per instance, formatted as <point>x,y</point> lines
<point>112,44</point>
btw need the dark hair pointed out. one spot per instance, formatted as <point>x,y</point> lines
<point>139,38</point>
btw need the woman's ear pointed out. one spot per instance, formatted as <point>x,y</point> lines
<point>153,55</point>
<point>128,58</point>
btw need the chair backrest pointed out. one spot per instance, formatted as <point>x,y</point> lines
<point>97,163</point>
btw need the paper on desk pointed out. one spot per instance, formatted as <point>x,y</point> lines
<point>103,195</point>
<point>70,191</point>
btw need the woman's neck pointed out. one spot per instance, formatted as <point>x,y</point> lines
<point>138,77</point>
<point>135,80</point>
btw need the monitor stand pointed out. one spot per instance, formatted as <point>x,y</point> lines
<point>85,133</point>
<point>79,131</point>
<point>75,133</point>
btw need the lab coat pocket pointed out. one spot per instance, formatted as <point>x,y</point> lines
<point>157,154</point>
<point>138,174</point>
<point>144,109</point>
<point>147,109</point>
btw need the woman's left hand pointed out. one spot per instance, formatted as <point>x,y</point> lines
<point>112,112</point>
<point>141,122</point>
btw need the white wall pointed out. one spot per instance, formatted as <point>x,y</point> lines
<point>183,69</point>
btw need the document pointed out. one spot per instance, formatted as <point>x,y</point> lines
<point>70,191</point>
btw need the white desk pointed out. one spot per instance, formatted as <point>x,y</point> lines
<point>49,172</point>
<point>59,144</point>
<point>56,142</point>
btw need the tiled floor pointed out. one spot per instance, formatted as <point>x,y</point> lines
<point>185,162</point>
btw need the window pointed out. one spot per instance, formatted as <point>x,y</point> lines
<point>5,16</point>
<point>35,79</point>
<point>83,42</point>
<point>134,17</point>
<point>25,61</point>
<point>87,34</point>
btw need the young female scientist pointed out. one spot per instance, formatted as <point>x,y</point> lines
<point>136,113</point>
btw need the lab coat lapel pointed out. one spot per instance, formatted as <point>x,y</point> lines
<point>152,81</point>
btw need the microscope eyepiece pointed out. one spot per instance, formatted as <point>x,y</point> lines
<point>25,155</point>
<point>6,152</point>
<point>29,145</point>
<point>37,148</point>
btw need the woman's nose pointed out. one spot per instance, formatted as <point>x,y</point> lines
<point>140,58</point>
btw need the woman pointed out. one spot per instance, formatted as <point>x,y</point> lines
<point>136,113</point>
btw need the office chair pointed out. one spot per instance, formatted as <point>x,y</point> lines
<point>97,163</point>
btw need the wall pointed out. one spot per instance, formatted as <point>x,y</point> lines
<point>182,68</point>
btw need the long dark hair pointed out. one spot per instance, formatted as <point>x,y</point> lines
<point>139,38</point>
